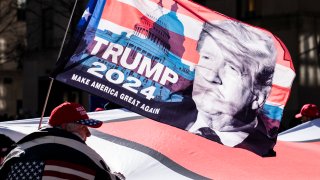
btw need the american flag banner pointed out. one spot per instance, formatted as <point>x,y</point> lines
<point>184,65</point>
<point>49,169</point>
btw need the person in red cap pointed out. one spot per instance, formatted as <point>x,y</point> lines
<point>99,109</point>
<point>308,112</point>
<point>58,151</point>
<point>73,118</point>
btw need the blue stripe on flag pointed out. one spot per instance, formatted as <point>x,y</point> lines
<point>273,112</point>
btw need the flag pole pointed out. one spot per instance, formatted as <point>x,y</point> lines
<point>60,51</point>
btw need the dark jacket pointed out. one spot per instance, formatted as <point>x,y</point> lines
<point>53,152</point>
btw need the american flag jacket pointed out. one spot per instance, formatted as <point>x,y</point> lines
<point>53,153</point>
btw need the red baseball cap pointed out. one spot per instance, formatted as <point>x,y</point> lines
<point>308,110</point>
<point>68,112</point>
<point>99,109</point>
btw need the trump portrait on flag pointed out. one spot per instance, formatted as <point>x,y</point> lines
<point>232,81</point>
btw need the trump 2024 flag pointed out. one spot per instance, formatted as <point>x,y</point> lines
<point>184,65</point>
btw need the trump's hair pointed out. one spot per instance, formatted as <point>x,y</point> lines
<point>237,40</point>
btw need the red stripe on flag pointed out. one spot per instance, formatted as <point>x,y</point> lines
<point>67,170</point>
<point>56,174</point>
<point>216,161</point>
<point>71,165</point>
<point>278,95</point>
<point>113,12</point>
<point>178,145</point>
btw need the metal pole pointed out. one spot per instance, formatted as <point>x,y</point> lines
<point>60,51</point>
<point>45,103</point>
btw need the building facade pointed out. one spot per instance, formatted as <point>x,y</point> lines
<point>12,45</point>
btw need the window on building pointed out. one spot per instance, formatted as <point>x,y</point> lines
<point>3,45</point>
<point>47,27</point>
<point>309,69</point>
<point>21,10</point>
<point>246,9</point>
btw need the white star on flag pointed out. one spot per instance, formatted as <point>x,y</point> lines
<point>86,14</point>
<point>49,169</point>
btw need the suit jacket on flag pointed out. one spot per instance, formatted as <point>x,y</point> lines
<point>53,153</point>
<point>255,135</point>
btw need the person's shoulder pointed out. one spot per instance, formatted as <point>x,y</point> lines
<point>5,140</point>
<point>49,132</point>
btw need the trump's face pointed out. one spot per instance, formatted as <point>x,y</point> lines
<point>222,86</point>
